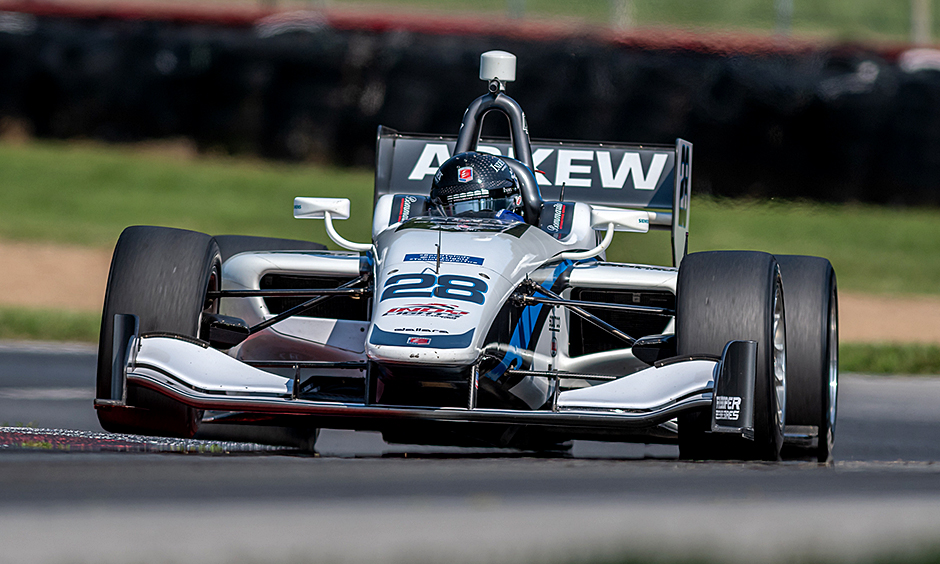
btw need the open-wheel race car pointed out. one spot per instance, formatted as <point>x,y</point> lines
<point>475,319</point>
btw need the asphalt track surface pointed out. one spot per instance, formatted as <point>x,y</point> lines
<point>362,500</point>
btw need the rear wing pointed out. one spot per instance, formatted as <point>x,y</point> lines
<point>656,178</point>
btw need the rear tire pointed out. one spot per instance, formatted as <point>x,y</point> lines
<point>734,295</point>
<point>161,275</point>
<point>813,344</point>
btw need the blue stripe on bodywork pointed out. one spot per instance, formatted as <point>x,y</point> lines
<point>525,328</point>
<point>435,340</point>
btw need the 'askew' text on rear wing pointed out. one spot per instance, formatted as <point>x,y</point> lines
<point>656,178</point>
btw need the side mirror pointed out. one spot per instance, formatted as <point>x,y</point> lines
<point>328,209</point>
<point>631,221</point>
<point>611,219</point>
<point>317,208</point>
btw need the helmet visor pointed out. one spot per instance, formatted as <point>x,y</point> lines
<point>483,204</point>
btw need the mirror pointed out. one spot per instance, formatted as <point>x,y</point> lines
<point>316,208</point>
<point>632,221</point>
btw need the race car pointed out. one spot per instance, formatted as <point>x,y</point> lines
<point>478,329</point>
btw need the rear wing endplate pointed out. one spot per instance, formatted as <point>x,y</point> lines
<point>649,177</point>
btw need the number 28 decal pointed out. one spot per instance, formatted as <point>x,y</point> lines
<point>425,285</point>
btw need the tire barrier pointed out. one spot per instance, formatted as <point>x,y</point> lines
<point>836,124</point>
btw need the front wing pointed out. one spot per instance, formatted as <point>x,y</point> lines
<point>197,375</point>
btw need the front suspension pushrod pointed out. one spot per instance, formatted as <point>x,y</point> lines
<point>304,307</point>
<point>589,317</point>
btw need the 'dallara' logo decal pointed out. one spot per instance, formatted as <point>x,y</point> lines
<point>440,311</point>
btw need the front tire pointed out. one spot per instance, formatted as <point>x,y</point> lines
<point>734,295</point>
<point>162,276</point>
<point>813,344</point>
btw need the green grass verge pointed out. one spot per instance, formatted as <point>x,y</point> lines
<point>87,193</point>
<point>49,325</point>
<point>836,19</point>
<point>889,358</point>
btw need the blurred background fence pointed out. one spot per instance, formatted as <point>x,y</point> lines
<point>781,106</point>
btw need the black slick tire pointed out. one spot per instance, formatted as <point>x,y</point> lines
<point>161,275</point>
<point>813,347</point>
<point>733,295</point>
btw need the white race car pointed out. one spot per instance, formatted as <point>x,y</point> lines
<point>479,329</point>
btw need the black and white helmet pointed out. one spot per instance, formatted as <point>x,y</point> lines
<point>475,182</point>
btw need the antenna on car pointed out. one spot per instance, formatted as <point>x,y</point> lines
<point>497,68</point>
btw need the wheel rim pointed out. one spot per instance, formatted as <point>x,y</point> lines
<point>833,346</point>
<point>210,305</point>
<point>780,357</point>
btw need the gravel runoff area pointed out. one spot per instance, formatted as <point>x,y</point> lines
<point>68,440</point>
<point>81,275</point>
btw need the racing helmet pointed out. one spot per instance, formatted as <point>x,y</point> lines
<point>474,182</point>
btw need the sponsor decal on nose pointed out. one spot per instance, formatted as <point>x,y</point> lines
<point>442,311</point>
<point>419,341</point>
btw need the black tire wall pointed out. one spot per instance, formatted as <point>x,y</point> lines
<point>812,330</point>
<point>831,124</point>
<point>723,296</point>
<point>162,276</point>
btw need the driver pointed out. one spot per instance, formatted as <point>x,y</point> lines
<point>476,184</point>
